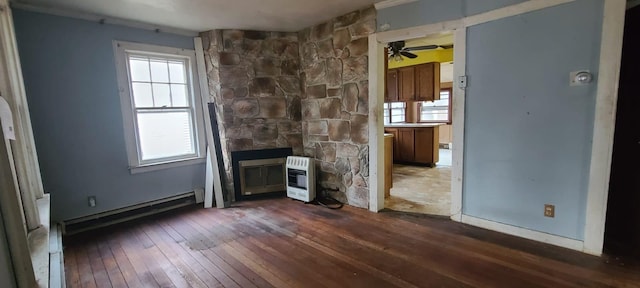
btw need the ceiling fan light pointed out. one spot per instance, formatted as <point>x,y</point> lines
<point>397,58</point>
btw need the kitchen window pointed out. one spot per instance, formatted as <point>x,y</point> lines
<point>161,108</point>
<point>439,110</point>
<point>394,112</point>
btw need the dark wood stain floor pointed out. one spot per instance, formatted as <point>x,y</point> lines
<point>284,243</point>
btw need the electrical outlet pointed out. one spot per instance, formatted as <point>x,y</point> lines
<point>92,201</point>
<point>549,210</point>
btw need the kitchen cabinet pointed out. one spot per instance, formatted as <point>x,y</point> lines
<point>413,83</point>
<point>406,83</point>
<point>415,145</point>
<point>406,145</point>
<point>426,145</point>
<point>391,94</point>
<point>427,81</point>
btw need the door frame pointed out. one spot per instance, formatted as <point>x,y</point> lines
<point>604,124</point>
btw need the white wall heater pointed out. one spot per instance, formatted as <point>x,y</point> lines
<point>301,178</point>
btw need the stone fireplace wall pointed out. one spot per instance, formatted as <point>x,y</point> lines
<point>254,81</point>
<point>334,63</point>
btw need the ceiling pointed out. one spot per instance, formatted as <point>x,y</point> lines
<point>203,15</point>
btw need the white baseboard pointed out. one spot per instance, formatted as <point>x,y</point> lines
<point>525,233</point>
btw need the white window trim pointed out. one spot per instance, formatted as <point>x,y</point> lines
<point>126,101</point>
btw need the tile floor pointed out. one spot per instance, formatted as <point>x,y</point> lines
<point>422,189</point>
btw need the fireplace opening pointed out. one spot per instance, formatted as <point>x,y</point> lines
<point>262,176</point>
<point>259,173</point>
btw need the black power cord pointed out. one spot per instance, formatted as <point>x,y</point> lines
<point>327,201</point>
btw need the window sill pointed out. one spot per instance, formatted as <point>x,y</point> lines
<point>166,165</point>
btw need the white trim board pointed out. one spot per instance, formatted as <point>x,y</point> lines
<point>604,125</point>
<point>102,19</point>
<point>524,233</point>
<point>376,130</point>
<point>213,181</point>
<point>391,3</point>
<point>512,10</point>
<point>425,30</point>
<point>457,165</point>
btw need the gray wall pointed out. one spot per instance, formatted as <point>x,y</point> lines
<point>70,77</point>
<point>424,12</point>
<point>528,133</point>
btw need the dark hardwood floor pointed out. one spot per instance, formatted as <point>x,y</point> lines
<point>284,243</point>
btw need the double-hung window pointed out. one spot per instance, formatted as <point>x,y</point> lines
<point>394,112</point>
<point>439,110</point>
<point>161,105</point>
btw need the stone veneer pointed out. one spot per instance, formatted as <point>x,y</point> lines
<point>255,83</point>
<point>305,90</point>
<point>335,98</point>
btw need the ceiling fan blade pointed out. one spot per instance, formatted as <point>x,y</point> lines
<point>416,48</point>
<point>408,54</point>
<point>446,46</point>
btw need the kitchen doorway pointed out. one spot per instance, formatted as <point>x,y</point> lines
<point>417,113</point>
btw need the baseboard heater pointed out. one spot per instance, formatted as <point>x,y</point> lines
<point>104,219</point>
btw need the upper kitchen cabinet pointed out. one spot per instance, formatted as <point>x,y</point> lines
<point>414,83</point>
<point>427,82</point>
<point>391,94</point>
<point>406,83</point>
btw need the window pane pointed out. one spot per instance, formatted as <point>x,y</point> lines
<point>139,69</point>
<point>165,134</point>
<point>159,71</point>
<point>397,114</point>
<point>176,71</point>
<point>179,95</point>
<point>142,96</point>
<point>435,111</point>
<point>444,95</point>
<point>161,95</point>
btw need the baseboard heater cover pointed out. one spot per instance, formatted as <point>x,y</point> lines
<point>77,225</point>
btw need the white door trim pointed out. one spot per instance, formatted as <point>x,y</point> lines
<point>376,130</point>
<point>613,26</point>
<point>459,100</point>
<point>604,125</point>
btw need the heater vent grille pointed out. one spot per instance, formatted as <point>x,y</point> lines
<point>301,184</point>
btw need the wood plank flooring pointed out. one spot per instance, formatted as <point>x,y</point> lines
<point>285,243</point>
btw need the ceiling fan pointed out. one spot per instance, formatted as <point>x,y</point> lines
<point>397,49</point>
